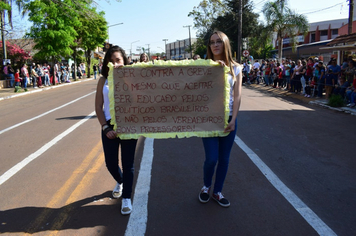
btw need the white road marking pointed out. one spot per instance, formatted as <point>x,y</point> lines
<point>11,172</point>
<point>138,218</point>
<point>313,220</point>
<point>43,114</point>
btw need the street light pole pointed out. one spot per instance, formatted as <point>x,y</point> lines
<point>112,26</point>
<point>190,41</point>
<point>165,46</point>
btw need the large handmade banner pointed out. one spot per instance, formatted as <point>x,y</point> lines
<point>169,99</point>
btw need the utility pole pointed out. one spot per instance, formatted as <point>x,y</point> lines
<point>351,15</point>
<point>239,33</point>
<point>165,46</point>
<point>190,41</point>
<point>3,36</point>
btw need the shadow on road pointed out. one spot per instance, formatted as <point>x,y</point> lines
<point>75,118</point>
<point>72,216</point>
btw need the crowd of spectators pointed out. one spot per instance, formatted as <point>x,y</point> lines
<point>41,75</point>
<point>309,77</point>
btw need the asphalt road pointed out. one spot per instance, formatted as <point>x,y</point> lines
<point>292,172</point>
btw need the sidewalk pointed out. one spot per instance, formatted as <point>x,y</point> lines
<point>312,101</point>
<point>7,93</point>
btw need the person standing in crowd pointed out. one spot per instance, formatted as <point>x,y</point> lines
<point>334,69</point>
<point>299,71</point>
<point>287,73</point>
<point>267,73</point>
<point>95,69</point>
<point>262,70</point>
<point>57,73</point>
<point>350,73</point>
<point>143,57</point>
<point>9,71</point>
<point>100,66</point>
<point>79,72</point>
<point>6,72</point>
<point>25,76</point>
<point>196,57</point>
<point>34,75</point>
<point>17,79</point>
<point>320,78</point>
<point>329,82</point>
<point>46,75</point>
<point>351,94</point>
<point>110,141</point>
<point>39,72</point>
<point>217,149</point>
<point>82,67</point>
<point>278,78</point>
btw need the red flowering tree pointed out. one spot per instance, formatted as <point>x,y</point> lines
<point>15,53</point>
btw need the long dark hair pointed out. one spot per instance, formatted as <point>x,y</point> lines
<point>107,59</point>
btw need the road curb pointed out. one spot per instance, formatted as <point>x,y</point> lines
<point>321,103</point>
<point>33,90</point>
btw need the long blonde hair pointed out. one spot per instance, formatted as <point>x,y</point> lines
<point>227,51</point>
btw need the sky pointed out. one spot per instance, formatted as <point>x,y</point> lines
<point>149,22</point>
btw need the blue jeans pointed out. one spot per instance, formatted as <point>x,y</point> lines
<point>12,80</point>
<point>111,148</point>
<point>95,72</point>
<point>270,79</point>
<point>59,74</point>
<point>287,80</point>
<point>303,81</point>
<point>24,82</point>
<point>217,151</point>
<point>351,96</point>
<point>321,86</point>
<point>266,79</point>
<point>46,79</point>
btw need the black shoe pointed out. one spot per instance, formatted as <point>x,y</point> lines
<point>204,196</point>
<point>221,200</point>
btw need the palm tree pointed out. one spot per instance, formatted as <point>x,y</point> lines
<point>284,21</point>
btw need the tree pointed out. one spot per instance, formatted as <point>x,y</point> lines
<point>199,47</point>
<point>53,28</point>
<point>260,44</point>
<point>225,19</point>
<point>284,21</point>
<point>15,53</point>
<point>93,33</point>
<point>205,13</point>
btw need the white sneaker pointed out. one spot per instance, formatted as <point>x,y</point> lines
<point>126,206</point>
<point>116,193</point>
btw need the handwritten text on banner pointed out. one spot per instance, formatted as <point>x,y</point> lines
<point>164,101</point>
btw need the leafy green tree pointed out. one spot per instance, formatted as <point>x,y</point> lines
<point>93,33</point>
<point>199,47</point>
<point>261,42</point>
<point>53,28</point>
<point>205,13</point>
<point>284,21</point>
<point>223,16</point>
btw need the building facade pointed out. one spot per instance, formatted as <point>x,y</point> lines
<point>179,49</point>
<point>314,42</point>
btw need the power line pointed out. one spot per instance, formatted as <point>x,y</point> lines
<point>323,9</point>
<point>260,2</point>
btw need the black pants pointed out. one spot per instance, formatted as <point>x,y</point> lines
<point>111,152</point>
<point>296,85</point>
